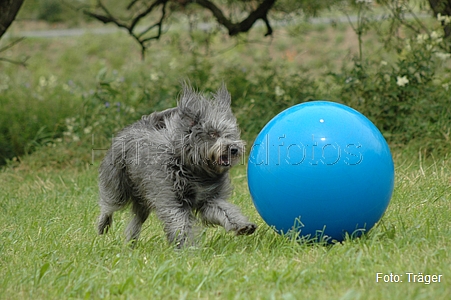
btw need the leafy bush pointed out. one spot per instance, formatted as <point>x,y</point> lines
<point>31,116</point>
<point>408,98</point>
<point>258,96</point>
<point>50,11</point>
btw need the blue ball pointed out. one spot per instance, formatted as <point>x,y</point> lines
<point>321,170</point>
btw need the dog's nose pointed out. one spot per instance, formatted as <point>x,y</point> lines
<point>234,150</point>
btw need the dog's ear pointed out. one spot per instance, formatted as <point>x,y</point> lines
<point>223,97</point>
<point>187,105</point>
<point>189,117</point>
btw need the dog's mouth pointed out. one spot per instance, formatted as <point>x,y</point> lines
<point>228,158</point>
<point>224,161</point>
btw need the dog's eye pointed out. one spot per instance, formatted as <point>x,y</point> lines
<point>214,135</point>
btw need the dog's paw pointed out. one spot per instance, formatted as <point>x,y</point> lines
<point>246,229</point>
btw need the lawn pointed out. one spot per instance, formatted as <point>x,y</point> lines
<point>50,249</point>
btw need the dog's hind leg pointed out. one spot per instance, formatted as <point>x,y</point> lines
<point>106,217</point>
<point>104,223</point>
<point>141,213</point>
<point>114,195</point>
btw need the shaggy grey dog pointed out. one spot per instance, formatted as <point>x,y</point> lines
<point>176,163</point>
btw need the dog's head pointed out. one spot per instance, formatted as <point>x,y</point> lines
<point>211,137</point>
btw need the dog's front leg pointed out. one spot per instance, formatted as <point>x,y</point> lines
<point>178,223</point>
<point>229,216</point>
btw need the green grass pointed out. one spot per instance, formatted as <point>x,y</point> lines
<point>50,250</point>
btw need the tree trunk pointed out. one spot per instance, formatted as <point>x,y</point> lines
<point>8,12</point>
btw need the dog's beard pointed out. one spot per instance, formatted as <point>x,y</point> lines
<point>226,154</point>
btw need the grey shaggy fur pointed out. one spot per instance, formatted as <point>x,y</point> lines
<point>175,162</point>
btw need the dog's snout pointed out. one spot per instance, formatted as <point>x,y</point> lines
<point>234,150</point>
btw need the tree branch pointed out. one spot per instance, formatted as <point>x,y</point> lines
<point>260,12</point>
<point>131,4</point>
<point>268,26</point>
<point>10,45</point>
<point>107,17</point>
<point>104,16</point>
<point>22,63</point>
<point>148,11</point>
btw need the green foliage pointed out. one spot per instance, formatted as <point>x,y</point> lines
<point>407,96</point>
<point>53,11</point>
<point>31,115</point>
<point>260,94</point>
<point>81,95</point>
<point>405,99</point>
<point>50,11</point>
